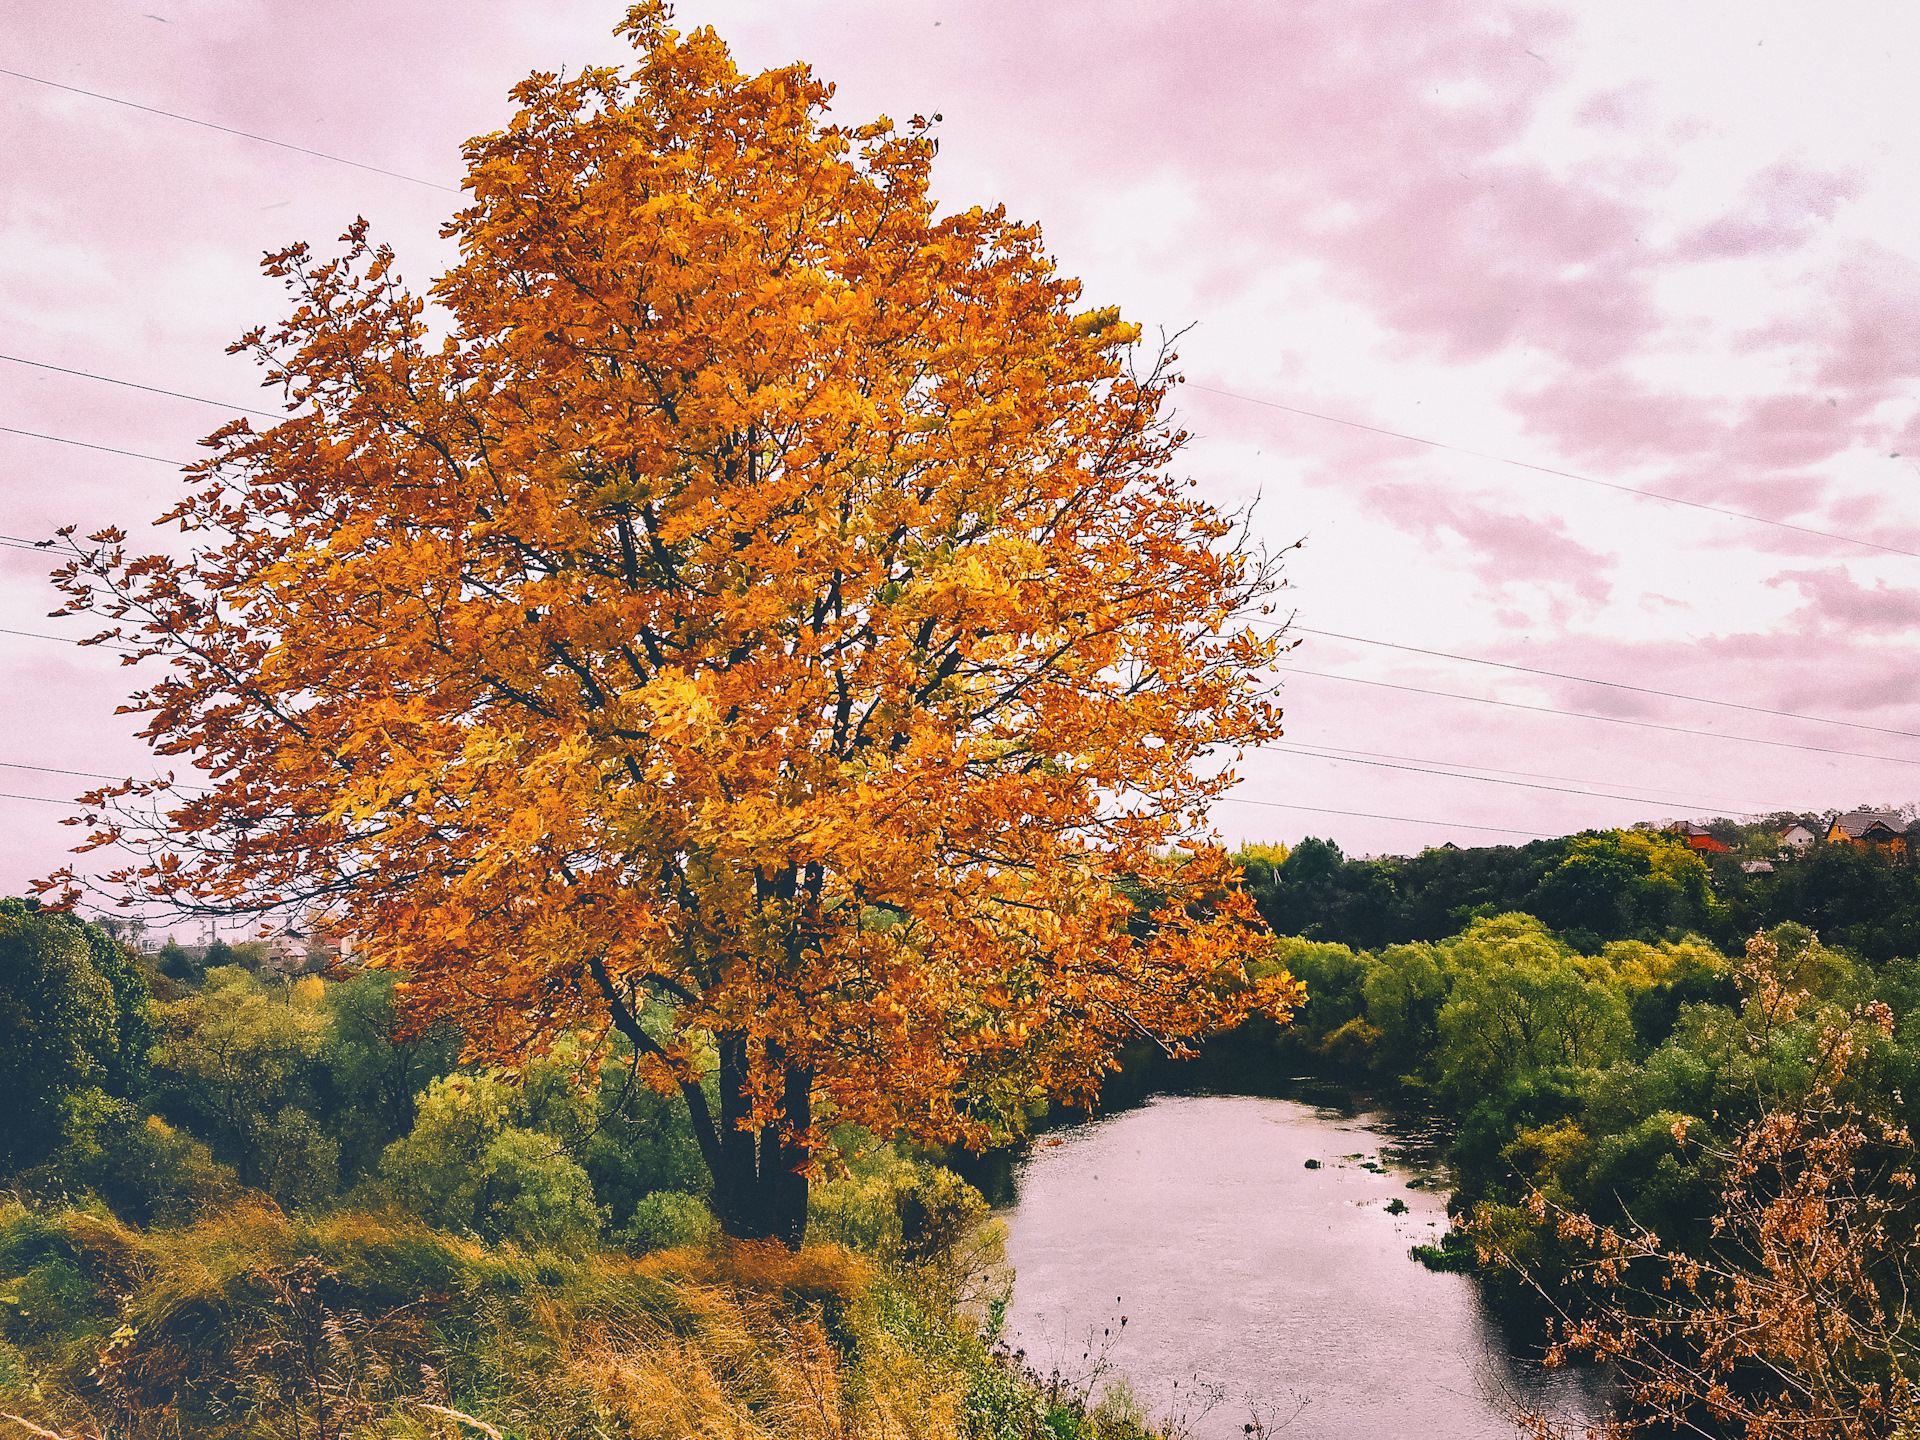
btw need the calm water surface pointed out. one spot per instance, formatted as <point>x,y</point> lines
<point>1254,1287</point>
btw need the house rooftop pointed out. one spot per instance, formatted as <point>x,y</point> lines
<point>1856,823</point>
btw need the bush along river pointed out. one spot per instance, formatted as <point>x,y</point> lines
<point>1242,1262</point>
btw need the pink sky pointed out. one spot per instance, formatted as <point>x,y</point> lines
<point>1658,247</point>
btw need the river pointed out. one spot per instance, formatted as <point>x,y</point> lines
<point>1257,1291</point>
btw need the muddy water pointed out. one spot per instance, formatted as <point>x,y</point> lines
<point>1257,1291</point>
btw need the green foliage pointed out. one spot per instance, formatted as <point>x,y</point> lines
<point>641,1144</point>
<point>1862,900</point>
<point>1404,990</point>
<point>926,1225</point>
<point>1617,883</point>
<point>369,1077</point>
<point>236,1065</point>
<point>1520,1004</point>
<point>1317,893</point>
<point>145,1170</point>
<point>1335,978</point>
<point>667,1219</point>
<point>1454,1254</point>
<point>124,1068</point>
<point>475,1164</point>
<point>60,1027</point>
<point>901,1210</point>
<point>175,963</point>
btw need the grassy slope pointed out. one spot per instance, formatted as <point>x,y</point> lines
<point>254,1324</point>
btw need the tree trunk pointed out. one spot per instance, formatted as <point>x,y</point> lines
<point>759,1175</point>
<point>759,1180</point>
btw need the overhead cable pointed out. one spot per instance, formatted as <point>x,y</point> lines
<point>36,635</point>
<point>150,389</point>
<point>1609,684</point>
<point>1562,474</point>
<point>1457,775</point>
<point>87,445</point>
<point>1365,815</point>
<point>229,130</point>
<point>49,770</point>
<point>1673,797</point>
<point>1603,719</point>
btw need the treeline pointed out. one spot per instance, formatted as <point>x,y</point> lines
<point>155,1091</point>
<point>1569,1071</point>
<point>1596,887</point>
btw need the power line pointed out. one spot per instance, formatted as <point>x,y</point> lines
<point>1366,815</point>
<point>1463,770</point>
<point>229,130</point>
<point>49,770</point>
<point>1456,775</point>
<point>36,635</point>
<point>61,640</point>
<point>1609,684</point>
<point>4,795</point>
<point>1673,796</point>
<point>85,445</point>
<point>1604,719</point>
<point>1562,474</point>
<point>150,389</point>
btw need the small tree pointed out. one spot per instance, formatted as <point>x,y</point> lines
<point>772,602</point>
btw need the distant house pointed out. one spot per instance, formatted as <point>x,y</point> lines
<point>1865,829</point>
<point>1756,867</point>
<point>1697,837</point>
<point>320,945</point>
<point>1796,837</point>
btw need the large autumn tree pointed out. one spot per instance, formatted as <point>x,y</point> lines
<point>765,625</point>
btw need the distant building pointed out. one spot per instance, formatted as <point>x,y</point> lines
<point>317,946</point>
<point>1756,867</point>
<point>1865,829</point>
<point>1698,838</point>
<point>1796,837</point>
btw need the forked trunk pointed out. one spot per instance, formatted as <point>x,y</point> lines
<point>760,1172</point>
<point>760,1181</point>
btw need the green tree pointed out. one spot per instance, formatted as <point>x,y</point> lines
<point>1521,1003</point>
<point>1616,883</point>
<point>1405,987</point>
<point>236,1065</point>
<point>60,1027</point>
<point>1334,976</point>
<point>175,963</point>
<point>371,1075</point>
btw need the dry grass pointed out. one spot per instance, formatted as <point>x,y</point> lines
<point>255,1325</point>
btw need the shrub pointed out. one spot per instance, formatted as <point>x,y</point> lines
<point>921,1221</point>
<point>144,1170</point>
<point>666,1219</point>
<point>470,1164</point>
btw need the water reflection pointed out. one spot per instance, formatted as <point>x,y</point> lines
<point>1257,1290</point>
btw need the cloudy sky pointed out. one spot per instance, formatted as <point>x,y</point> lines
<point>1456,280</point>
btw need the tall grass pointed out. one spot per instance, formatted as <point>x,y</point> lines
<point>253,1325</point>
